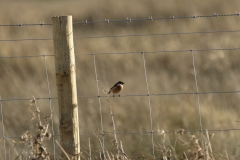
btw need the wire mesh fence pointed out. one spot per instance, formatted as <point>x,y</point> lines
<point>95,62</point>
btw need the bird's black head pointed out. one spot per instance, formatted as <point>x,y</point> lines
<point>120,82</point>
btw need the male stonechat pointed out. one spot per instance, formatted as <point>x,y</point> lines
<point>117,88</point>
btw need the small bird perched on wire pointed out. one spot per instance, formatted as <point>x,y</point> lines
<point>117,88</point>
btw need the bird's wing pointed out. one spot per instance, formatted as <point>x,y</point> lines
<point>112,88</point>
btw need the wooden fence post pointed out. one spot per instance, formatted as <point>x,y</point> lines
<point>66,84</point>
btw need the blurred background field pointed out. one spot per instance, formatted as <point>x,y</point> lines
<point>168,72</point>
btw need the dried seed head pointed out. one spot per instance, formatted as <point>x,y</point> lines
<point>193,137</point>
<point>26,136</point>
<point>181,131</point>
<point>160,131</point>
<point>47,118</point>
<point>111,123</point>
<point>48,135</point>
<point>41,127</point>
<point>211,136</point>
<point>33,100</point>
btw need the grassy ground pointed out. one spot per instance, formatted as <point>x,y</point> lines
<point>167,72</point>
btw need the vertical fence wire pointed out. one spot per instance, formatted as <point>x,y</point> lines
<point>149,102</point>
<point>90,151</point>
<point>198,99</point>
<point>3,131</point>
<point>50,105</point>
<point>100,105</point>
<point>113,122</point>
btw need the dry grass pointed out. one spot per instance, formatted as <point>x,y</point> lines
<point>31,142</point>
<point>167,73</point>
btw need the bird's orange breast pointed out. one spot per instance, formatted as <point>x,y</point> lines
<point>117,89</point>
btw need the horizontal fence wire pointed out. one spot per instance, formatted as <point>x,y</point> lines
<point>26,25</point>
<point>129,95</point>
<point>26,39</point>
<point>127,35</point>
<point>31,56</point>
<point>161,132</point>
<point>151,18</point>
<point>27,99</point>
<point>134,52</point>
<point>164,51</point>
<point>127,20</point>
<point>166,94</point>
